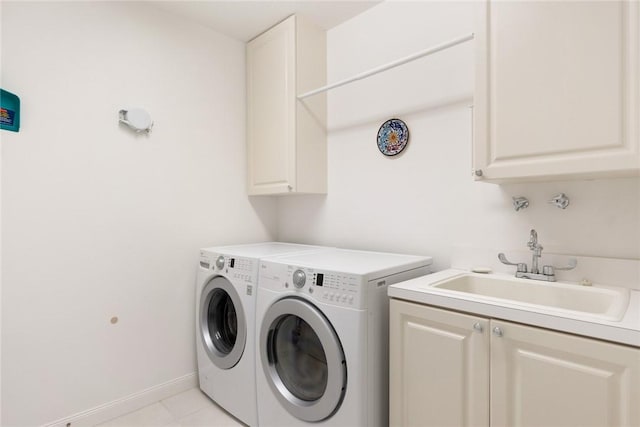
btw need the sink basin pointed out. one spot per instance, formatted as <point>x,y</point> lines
<point>603,302</point>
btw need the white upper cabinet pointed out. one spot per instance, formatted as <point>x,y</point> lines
<point>286,140</point>
<point>557,90</point>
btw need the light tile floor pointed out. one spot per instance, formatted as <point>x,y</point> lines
<point>191,408</point>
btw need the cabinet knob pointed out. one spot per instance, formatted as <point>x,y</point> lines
<point>497,332</point>
<point>478,172</point>
<point>477,326</point>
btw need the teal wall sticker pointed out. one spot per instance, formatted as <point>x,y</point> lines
<point>9,111</point>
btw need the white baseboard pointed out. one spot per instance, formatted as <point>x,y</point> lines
<point>127,404</point>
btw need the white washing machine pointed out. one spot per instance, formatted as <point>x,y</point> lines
<point>323,334</point>
<point>225,323</point>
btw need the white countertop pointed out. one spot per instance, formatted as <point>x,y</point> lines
<point>625,331</point>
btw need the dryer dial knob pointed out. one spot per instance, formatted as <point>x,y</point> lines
<point>220,262</point>
<point>299,278</point>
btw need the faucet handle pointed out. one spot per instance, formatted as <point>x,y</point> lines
<point>549,270</point>
<point>560,200</point>
<point>520,203</point>
<point>521,266</point>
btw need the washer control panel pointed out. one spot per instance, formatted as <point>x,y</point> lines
<point>299,278</point>
<point>220,262</point>
<point>330,287</point>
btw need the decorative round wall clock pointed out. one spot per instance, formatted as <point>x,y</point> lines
<point>393,137</point>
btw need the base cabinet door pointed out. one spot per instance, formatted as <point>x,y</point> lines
<point>546,378</point>
<point>454,369</point>
<point>439,367</point>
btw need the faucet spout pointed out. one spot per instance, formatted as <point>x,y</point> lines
<point>537,251</point>
<point>548,271</point>
<point>533,240</point>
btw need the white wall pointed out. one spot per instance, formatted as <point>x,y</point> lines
<point>424,201</point>
<point>98,222</point>
<point>1,230</point>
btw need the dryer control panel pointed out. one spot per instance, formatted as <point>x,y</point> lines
<point>242,269</point>
<point>207,260</point>
<point>232,267</point>
<point>330,287</point>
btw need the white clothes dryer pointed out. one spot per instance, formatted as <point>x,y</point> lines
<point>225,323</point>
<point>322,345</point>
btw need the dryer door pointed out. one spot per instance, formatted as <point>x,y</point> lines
<point>303,359</point>
<point>223,326</point>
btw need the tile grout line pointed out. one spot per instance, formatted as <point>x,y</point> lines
<point>183,416</point>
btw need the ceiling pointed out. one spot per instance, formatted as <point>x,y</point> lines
<point>243,20</point>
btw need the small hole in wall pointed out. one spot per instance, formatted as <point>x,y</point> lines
<point>68,424</point>
<point>114,320</point>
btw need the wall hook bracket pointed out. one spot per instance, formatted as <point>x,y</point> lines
<point>137,119</point>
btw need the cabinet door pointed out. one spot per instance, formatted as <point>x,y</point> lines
<point>271,97</point>
<point>544,378</point>
<point>439,367</point>
<point>557,90</point>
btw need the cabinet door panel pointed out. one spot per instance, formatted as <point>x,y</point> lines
<point>544,378</point>
<point>271,110</point>
<point>543,60</point>
<point>557,89</point>
<point>439,367</point>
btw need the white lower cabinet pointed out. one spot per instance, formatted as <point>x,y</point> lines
<point>453,369</point>
<point>439,367</point>
<point>546,378</point>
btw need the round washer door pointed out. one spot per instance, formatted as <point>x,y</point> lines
<point>223,325</point>
<point>303,359</point>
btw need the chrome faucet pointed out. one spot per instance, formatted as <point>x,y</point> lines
<point>548,271</point>
<point>537,251</point>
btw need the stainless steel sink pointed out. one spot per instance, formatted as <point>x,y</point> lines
<point>603,302</point>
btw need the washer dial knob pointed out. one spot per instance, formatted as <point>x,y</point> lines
<point>299,278</point>
<point>220,262</point>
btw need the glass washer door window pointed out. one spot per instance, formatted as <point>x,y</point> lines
<point>299,359</point>
<point>223,327</point>
<point>303,359</point>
